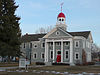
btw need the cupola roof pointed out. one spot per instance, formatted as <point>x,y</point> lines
<point>61,15</point>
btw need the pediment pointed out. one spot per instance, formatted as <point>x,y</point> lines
<point>57,33</point>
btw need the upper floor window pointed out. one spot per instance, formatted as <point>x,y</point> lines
<point>58,43</point>
<point>43,45</point>
<point>66,43</point>
<point>51,43</point>
<point>76,44</point>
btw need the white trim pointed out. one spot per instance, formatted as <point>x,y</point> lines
<point>78,55</point>
<point>42,54</point>
<point>59,40</point>
<point>79,37</point>
<point>65,32</point>
<point>84,44</point>
<point>46,51</point>
<point>65,55</point>
<point>71,52</point>
<point>53,30</point>
<point>62,51</point>
<point>53,51</point>
<point>78,44</point>
<point>34,56</point>
<point>50,54</point>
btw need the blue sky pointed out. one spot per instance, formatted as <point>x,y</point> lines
<point>81,15</point>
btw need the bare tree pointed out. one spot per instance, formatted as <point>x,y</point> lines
<point>43,30</point>
<point>95,52</point>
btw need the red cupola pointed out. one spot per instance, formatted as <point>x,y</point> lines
<point>61,15</point>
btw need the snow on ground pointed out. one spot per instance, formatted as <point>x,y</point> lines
<point>2,69</point>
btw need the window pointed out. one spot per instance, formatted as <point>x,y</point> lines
<point>57,33</point>
<point>58,43</point>
<point>51,54</point>
<point>66,54</point>
<point>59,19</point>
<point>76,44</point>
<point>66,43</point>
<point>43,45</point>
<point>24,45</point>
<point>30,45</point>
<point>51,43</point>
<point>62,19</point>
<point>35,46</point>
<point>76,55</point>
<point>42,55</point>
<point>34,55</point>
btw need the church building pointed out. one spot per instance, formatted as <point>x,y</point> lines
<point>58,45</point>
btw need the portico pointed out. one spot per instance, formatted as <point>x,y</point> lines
<point>54,49</point>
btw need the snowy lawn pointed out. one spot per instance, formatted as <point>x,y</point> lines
<point>55,70</point>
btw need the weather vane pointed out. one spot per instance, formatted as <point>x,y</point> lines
<point>61,6</point>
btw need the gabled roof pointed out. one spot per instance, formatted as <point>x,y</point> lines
<point>35,37</point>
<point>31,37</point>
<point>83,33</point>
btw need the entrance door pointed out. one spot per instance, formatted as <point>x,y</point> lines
<point>58,56</point>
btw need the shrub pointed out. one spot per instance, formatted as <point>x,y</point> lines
<point>40,63</point>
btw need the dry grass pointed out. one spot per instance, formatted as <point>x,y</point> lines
<point>70,69</point>
<point>8,64</point>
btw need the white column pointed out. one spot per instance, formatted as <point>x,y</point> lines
<point>53,51</point>
<point>46,51</point>
<point>61,50</point>
<point>71,53</point>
